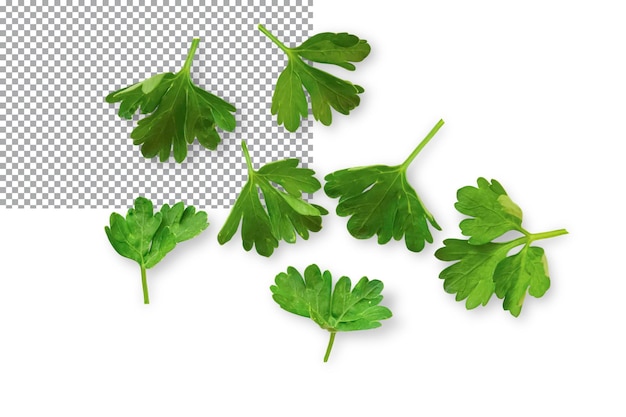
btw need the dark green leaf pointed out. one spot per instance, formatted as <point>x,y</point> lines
<point>326,91</point>
<point>380,201</point>
<point>180,112</point>
<point>285,214</point>
<point>334,48</point>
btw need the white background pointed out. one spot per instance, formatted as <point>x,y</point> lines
<point>532,95</point>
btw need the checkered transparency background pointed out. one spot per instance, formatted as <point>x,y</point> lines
<point>62,145</point>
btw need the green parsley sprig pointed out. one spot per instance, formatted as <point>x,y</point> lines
<point>289,102</point>
<point>179,111</point>
<point>484,267</point>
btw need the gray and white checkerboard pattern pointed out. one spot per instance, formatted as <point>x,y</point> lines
<point>62,145</point>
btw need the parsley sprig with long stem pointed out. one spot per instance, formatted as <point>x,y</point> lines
<point>380,201</point>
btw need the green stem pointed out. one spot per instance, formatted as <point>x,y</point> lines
<point>144,285</point>
<point>192,51</point>
<point>546,235</point>
<point>528,237</point>
<point>248,160</point>
<point>274,39</point>
<point>330,346</point>
<point>423,143</point>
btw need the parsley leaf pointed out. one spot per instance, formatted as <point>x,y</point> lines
<point>485,267</point>
<point>381,201</point>
<point>146,237</point>
<point>338,310</point>
<point>326,91</point>
<point>285,212</point>
<point>180,112</point>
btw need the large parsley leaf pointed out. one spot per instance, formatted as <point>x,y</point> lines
<point>146,237</point>
<point>381,202</point>
<point>485,267</point>
<point>285,212</point>
<point>340,310</point>
<point>289,101</point>
<point>180,112</point>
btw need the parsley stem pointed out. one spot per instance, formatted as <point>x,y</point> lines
<point>248,160</point>
<point>546,235</point>
<point>144,285</point>
<point>528,237</point>
<point>330,346</point>
<point>274,39</point>
<point>192,51</point>
<point>423,143</point>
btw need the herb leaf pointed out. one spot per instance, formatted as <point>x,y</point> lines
<point>326,91</point>
<point>380,201</point>
<point>146,237</point>
<point>180,112</point>
<point>285,213</point>
<point>492,210</point>
<point>485,267</point>
<point>343,309</point>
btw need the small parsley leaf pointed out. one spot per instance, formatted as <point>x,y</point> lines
<point>484,267</point>
<point>180,112</point>
<point>380,201</point>
<point>289,101</point>
<point>146,237</point>
<point>340,310</point>
<point>285,213</point>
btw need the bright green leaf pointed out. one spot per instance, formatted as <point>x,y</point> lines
<point>180,112</point>
<point>472,277</point>
<point>326,91</point>
<point>493,212</point>
<point>380,201</point>
<point>525,271</point>
<point>146,237</point>
<point>341,309</point>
